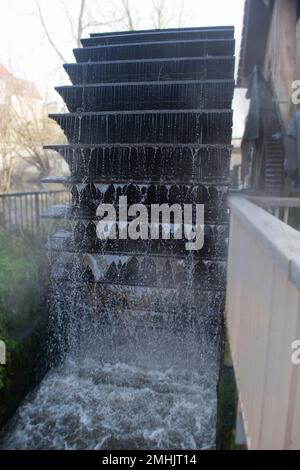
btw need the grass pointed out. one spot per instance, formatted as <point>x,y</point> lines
<point>227,403</point>
<point>22,279</point>
<point>23,314</point>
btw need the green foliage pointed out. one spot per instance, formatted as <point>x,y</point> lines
<point>23,268</point>
<point>227,406</point>
<point>227,403</point>
<point>23,288</point>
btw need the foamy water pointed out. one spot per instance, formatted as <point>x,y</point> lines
<point>155,400</point>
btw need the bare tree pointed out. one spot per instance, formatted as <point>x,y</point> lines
<point>163,15</point>
<point>7,154</point>
<point>79,23</point>
<point>160,19</point>
<point>85,18</point>
<point>48,35</point>
<point>31,135</point>
<point>128,16</point>
<point>24,129</point>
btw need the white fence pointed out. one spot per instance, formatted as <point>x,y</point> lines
<point>263,317</point>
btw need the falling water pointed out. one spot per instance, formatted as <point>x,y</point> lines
<point>128,379</point>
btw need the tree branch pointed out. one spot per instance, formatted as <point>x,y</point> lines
<point>128,15</point>
<point>51,42</point>
<point>80,21</point>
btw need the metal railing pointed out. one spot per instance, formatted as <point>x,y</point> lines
<point>280,207</point>
<point>235,177</point>
<point>23,210</point>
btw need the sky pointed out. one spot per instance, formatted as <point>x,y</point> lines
<point>26,52</point>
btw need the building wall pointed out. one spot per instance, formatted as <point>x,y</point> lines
<point>280,65</point>
<point>2,92</point>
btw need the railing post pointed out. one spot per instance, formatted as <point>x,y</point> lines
<point>9,214</point>
<point>3,212</point>
<point>37,210</point>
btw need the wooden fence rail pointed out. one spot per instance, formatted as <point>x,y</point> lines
<point>23,210</point>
